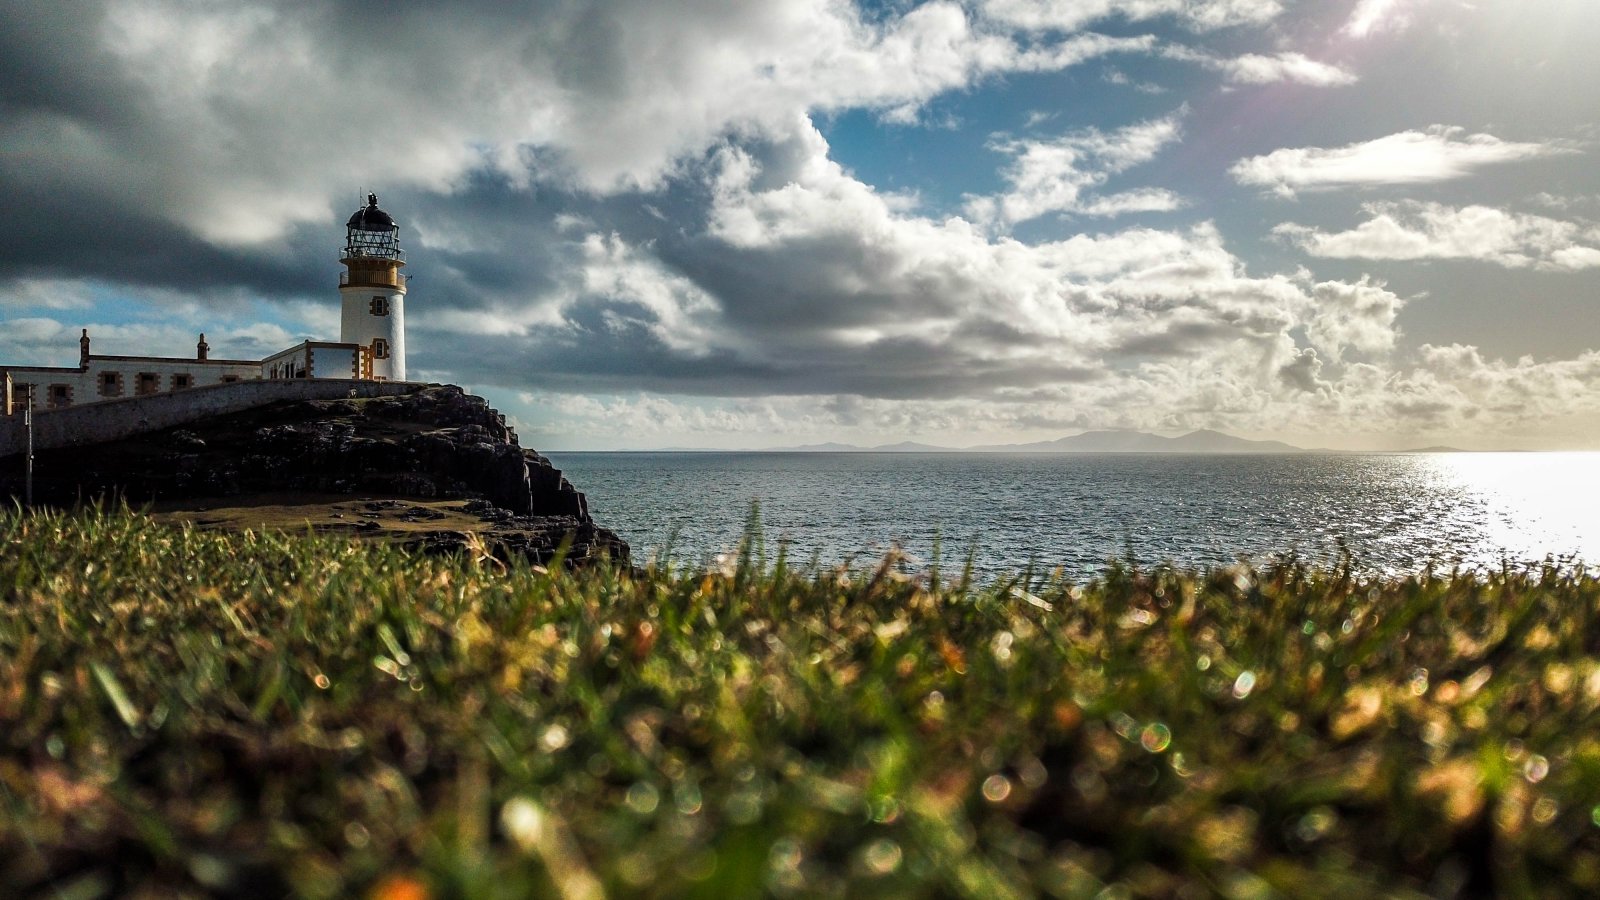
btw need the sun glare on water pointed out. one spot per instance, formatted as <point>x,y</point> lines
<point>1533,504</point>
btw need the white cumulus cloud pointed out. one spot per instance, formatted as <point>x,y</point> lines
<point>1061,174</point>
<point>1356,316</point>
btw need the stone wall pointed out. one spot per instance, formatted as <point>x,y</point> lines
<point>110,421</point>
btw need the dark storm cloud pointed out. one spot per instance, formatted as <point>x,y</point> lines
<point>792,290</point>
<point>592,354</point>
<point>63,232</point>
<point>496,243</point>
<point>51,59</point>
<point>594,359</point>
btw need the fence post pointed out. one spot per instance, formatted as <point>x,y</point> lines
<point>27,422</point>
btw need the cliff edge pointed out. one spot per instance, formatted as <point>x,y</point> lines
<point>347,464</point>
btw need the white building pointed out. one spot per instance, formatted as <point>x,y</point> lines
<point>371,345</point>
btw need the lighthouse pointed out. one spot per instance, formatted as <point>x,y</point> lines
<point>371,347</point>
<point>372,293</point>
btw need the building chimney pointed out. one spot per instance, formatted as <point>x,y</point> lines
<point>202,348</point>
<point>83,350</point>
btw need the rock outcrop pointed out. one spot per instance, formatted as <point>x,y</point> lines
<point>435,444</point>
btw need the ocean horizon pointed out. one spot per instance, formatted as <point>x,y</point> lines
<point>1385,512</point>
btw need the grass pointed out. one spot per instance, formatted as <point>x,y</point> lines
<point>189,712</point>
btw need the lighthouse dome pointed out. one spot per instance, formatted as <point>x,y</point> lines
<point>371,218</point>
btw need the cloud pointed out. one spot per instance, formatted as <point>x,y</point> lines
<point>671,308</point>
<point>1116,76</point>
<point>804,281</point>
<point>808,303</point>
<point>1420,231</point>
<point>1372,17</point>
<point>627,207</point>
<point>1303,371</point>
<point>650,420</point>
<point>233,122</point>
<point>841,307</point>
<point>45,341</point>
<point>1461,380</point>
<point>1255,68</point>
<point>1358,317</point>
<point>1410,157</point>
<point>1059,175</point>
<point>46,293</point>
<point>1563,203</point>
<point>1071,15</point>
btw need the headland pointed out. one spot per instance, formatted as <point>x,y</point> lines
<point>428,466</point>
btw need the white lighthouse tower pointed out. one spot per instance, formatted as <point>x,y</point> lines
<point>373,293</point>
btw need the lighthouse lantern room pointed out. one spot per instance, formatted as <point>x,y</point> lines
<point>372,291</point>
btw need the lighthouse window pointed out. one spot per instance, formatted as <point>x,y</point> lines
<point>380,306</point>
<point>110,384</point>
<point>60,395</point>
<point>149,383</point>
<point>380,348</point>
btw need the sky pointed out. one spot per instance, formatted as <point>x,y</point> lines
<point>1358,224</point>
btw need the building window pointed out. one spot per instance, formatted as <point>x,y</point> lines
<point>60,396</point>
<point>148,383</point>
<point>380,348</point>
<point>229,379</point>
<point>380,306</point>
<point>179,382</point>
<point>111,384</point>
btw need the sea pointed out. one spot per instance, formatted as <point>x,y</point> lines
<point>1016,513</point>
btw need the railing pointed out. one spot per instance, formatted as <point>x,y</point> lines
<point>368,251</point>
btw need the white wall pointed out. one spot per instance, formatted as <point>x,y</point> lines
<point>286,363</point>
<point>320,359</point>
<point>335,360</point>
<point>111,421</point>
<point>84,384</point>
<point>358,325</point>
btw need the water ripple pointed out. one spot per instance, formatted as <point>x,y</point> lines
<point>1395,512</point>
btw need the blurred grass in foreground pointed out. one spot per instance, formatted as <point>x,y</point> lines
<point>260,714</point>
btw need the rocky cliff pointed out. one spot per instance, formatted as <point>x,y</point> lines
<point>438,443</point>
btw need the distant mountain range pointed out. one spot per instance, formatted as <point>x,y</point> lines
<point>1203,441</point>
